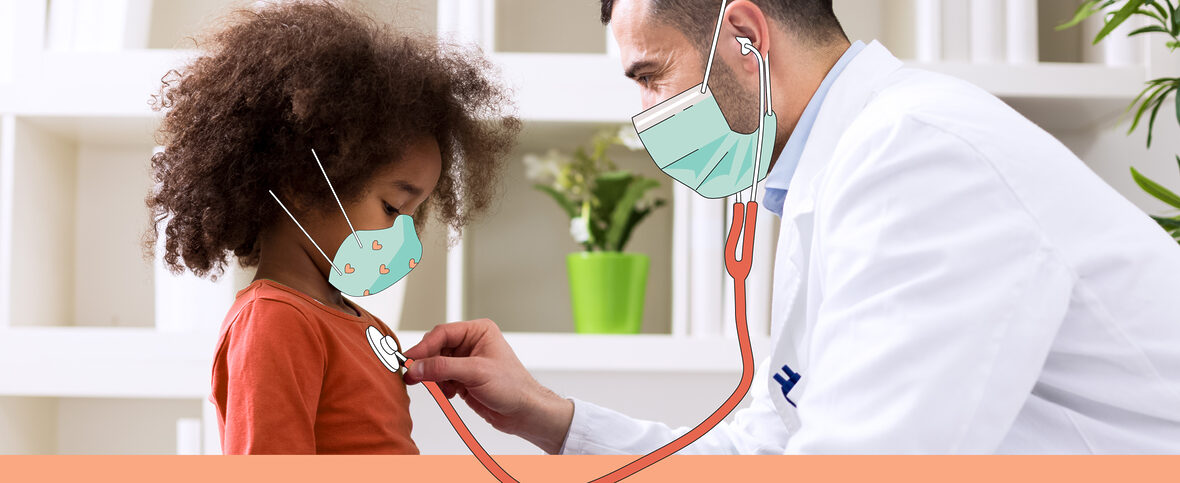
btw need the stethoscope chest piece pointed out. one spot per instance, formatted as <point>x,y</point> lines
<point>386,349</point>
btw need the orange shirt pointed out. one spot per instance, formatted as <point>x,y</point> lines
<point>293,376</point>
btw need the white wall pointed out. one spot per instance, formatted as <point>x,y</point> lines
<point>534,30</point>
<point>517,274</point>
<point>43,228</point>
<point>175,23</point>
<point>28,425</point>
<point>110,219</point>
<point>120,426</point>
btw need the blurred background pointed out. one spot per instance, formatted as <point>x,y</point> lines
<point>103,351</point>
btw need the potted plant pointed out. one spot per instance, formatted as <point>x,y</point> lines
<point>1163,18</point>
<point>604,204</point>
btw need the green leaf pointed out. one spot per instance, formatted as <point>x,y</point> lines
<point>1154,189</point>
<point>1149,13</point>
<point>1148,29</point>
<point>624,209</point>
<point>1175,18</point>
<point>608,189</point>
<point>1084,11</point>
<point>1160,12</point>
<point>1117,19</point>
<point>1154,88</point>
<point>636,218</point>
<point>1170,224</point>
<point>1155,112</point>
<point>561,199</point>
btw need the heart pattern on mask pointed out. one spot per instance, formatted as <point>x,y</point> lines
<point>376,246</point>
<point>366,293</point>
<point>348,268</point>
<point>413,263</point>
<point>384,270</point>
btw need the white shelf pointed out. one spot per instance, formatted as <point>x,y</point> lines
<point>560,87</point>
<point>118,84</point>
<point>146,363</point>
<point>547,87</point>
<point>1057,96</point>
<point>1047,80</point>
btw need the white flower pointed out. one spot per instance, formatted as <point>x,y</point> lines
<point>544,169</point>
<point>630,138</point>
<point>580,230</point>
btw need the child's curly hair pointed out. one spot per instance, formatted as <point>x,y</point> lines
<point>243,117</point>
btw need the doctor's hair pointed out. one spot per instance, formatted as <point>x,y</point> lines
<point>271,85</point>
<point>811,21</point>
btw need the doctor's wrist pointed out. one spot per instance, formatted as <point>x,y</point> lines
<point>548,422</point>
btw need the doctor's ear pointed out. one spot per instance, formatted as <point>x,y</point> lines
<point>744,19</point>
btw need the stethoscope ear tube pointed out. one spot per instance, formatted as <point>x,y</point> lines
<point>745,219</point>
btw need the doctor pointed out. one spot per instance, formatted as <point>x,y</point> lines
<point>949,277</point>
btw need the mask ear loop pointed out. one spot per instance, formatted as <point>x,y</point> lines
<point>713,49</point>
<point>321,165</point>
<point>317,245</point>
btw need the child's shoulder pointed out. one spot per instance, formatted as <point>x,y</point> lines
<point>266,305</point>
<point>269,321</point>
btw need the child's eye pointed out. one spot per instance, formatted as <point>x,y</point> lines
<point>389,210</point>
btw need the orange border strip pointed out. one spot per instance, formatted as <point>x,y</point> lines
<point>558,469</point>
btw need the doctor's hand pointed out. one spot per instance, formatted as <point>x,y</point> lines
<point>473,360</point>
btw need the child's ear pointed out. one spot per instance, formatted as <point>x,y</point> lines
<point>297,205</point>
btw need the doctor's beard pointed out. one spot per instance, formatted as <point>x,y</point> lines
<point>738,104</point>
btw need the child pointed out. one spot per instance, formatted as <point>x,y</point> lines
<point>398,126</point>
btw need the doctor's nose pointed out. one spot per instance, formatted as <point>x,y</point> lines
<point>649,97</point>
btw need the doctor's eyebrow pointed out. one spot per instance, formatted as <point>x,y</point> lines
<point>632,71</point>
<point>407,187</point>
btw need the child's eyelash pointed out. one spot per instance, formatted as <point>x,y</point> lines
<point>389,210</point>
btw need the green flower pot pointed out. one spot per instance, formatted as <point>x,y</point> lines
<point>607,291</point>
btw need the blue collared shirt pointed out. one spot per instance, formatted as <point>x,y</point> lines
<point>779,178</point>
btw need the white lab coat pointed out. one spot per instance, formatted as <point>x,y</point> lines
<point>949,279</point>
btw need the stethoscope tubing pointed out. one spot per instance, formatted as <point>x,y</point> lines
<point>745,220</point>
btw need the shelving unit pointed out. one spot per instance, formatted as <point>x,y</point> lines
<point>142,363</point>
<point>80,309</point>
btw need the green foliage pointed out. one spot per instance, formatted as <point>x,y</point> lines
<point>560,198</point>
<point>604,203</point>
<point>1154,189</point>
<point>1165,20</point>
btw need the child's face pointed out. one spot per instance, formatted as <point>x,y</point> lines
<point>396,189</point>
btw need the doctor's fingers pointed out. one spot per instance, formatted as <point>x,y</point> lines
<point>467,371</point>
<point>457,338</point>
<point>451,389</point>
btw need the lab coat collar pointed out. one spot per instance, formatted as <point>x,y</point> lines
<point>847,98</point>
<point>780,176</point>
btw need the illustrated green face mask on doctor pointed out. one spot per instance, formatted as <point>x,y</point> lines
<point>690,140</point>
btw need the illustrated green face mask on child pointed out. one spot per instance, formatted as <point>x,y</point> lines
<point>370,260</point>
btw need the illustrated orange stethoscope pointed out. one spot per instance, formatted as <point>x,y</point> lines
<point>745,218</point>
